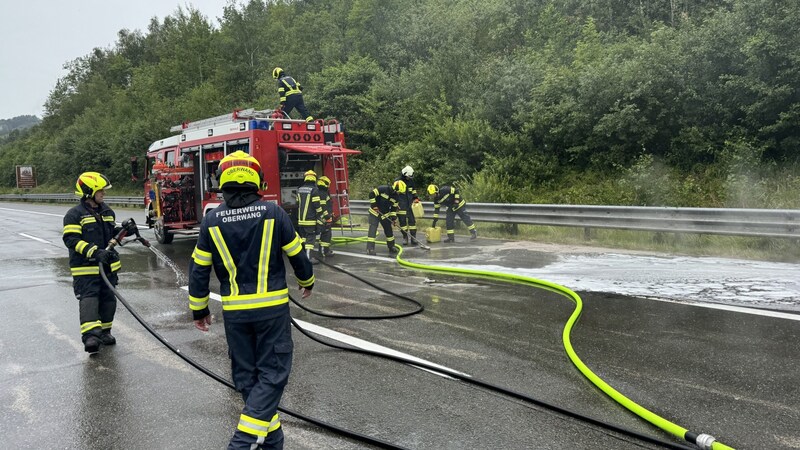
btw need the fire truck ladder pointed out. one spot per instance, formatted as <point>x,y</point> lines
<point>342,197</point>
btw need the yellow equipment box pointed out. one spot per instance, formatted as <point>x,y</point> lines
<point>418,210</point>
<point>433,234</point>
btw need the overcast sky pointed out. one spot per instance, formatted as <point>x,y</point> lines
<point>39,36</point>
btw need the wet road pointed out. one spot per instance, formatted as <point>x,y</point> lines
<point>729,373</point>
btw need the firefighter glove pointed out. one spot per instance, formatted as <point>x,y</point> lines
<point>102,256</point>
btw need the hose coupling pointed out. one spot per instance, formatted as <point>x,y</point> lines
<point>704,441</point>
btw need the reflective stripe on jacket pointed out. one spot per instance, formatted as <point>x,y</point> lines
<point>245,247</point>
<point>449,197</point>
<point>288,86</point>
<point>85,231</point>
<point>309,211</point>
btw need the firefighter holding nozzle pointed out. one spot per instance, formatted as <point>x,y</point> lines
<point>88,229</point>
<point>244,240</point>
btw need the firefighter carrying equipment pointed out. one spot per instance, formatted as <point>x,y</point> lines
<point>407,171</point>
<point>90,183</point>
<point>433,189</point>
<point>239,170</point>
<point>450,198</point>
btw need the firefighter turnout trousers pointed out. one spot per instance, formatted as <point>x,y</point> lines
<point>261,360</point>
<point>374,220</point>
<point>96,304</point>
<point>459,210</point>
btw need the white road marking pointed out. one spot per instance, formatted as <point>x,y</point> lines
<point>32,212</point>
<point>34,238</point>
<point>360,343</point>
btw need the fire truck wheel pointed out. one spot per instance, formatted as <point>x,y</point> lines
<point>162,235</point>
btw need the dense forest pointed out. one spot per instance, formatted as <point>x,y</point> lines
<point>671,102</point>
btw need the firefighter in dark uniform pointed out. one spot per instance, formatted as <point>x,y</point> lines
<point>291,94</point>
<point>325,234</point>
<point>450,198</point>
<point>244,240</point>
<point>405,216</point>
<point>88,228</point>
<point>309,212</point>
<point>383,211</point>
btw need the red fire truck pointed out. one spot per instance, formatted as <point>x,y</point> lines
<point>183,184</point>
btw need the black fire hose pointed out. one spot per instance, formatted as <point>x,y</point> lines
<point>330,427</point>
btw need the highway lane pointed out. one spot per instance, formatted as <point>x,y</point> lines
<point>727,373</point>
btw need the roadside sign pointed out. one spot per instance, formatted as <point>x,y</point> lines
<point>26,177</point>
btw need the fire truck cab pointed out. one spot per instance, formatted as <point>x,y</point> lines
<point>182,185</point>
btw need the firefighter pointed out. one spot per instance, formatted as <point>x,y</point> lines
<point>383,211</point>
<point>309,212</point>
<point>325,234</point>
<point>450,198</point>
<point>405,198</point>
<point>244,240</point>
<point>291,94</point>
<point>88,229</point>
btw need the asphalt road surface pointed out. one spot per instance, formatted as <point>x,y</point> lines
<point>713,360</point>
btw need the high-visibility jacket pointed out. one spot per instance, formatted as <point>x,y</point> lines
<point>288,86</point>
<point>404,200</point>
<point>325,202</point>
<point>385,199</point>
<point>449,197</point>
<point>85,230</point>
<point>309,211</point>
<point>245,247</point>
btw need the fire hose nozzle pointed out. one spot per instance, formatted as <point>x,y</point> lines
<point>144,241</point>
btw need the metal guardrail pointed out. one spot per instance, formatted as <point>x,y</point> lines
<point>70,198</point>
<point>781,223</point>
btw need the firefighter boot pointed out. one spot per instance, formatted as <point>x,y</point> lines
<point>370,248</point>
<point>473,234</point>
<point>405,238</point>
<point>451,237</point>
<point>91,343</point>
<point>311,257</point>
<point>327,251</point>
<point>107,338</point>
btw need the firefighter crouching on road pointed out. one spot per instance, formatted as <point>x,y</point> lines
<point>383,210</point>
<point>405,198</point>
<point>291,94</point>
<point>325,234</point>
<point>88,228</point>
<point>309,212</point>
<point>244,240</point>
<point>450,198</point>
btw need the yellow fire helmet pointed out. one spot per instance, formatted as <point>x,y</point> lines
<point>433,189</point>
<point>277,72</point>
<point>89,183</point>
<point>399,186</point>
<point>324,181</point>
<point>239,169</point>
<point>310,176</point>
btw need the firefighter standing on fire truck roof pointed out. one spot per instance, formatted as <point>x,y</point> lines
<point>88,228</point>
<point>243,240</point>
<point>383,211</point>
<point>291,94</point>
<point>325,234</point>
<point>309,212</point>
<point>450,198</point>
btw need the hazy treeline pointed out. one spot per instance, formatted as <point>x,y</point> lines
<point>675,102</point>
